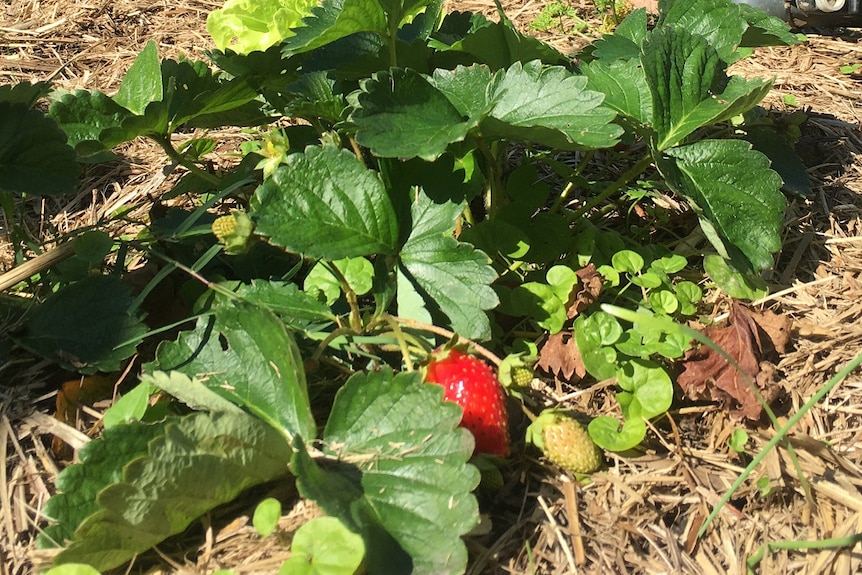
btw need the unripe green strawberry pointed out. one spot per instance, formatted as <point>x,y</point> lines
<point>472,384</point>
<point>565,442</point>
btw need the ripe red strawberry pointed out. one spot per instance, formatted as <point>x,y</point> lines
<point>472,384</point>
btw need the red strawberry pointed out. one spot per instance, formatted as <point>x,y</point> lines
<point>472,384</point>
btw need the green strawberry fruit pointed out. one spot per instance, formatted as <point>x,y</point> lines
<point>565,442</point>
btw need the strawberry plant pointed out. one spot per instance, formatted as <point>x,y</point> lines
<point>375,213</point>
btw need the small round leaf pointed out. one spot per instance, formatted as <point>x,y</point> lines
<point>266,516</point>
<point>324,546</point>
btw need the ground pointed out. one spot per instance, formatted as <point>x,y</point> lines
<point>641,513</point>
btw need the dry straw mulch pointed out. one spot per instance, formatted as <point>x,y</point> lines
<point>641,513</point>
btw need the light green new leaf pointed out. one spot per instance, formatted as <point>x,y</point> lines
<point>254,25</point>
<point>550,106</point>
<point>87,326</point>
<point>624,85</point>
<point>335,19</point>
<point>453,277</point>
<point>689,86</point>
<point>401,115</point>
<point>142,84</point>
<point>398,473</point>
<point>100,463</point>
<point>34,156</point>
<point>203,460</point>
<point>324,546</point>
<point>734,191</point>
<point>325,204</point>
<point>245,354</point>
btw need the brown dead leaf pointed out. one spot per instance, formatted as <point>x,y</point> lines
<point>776,327</point>
<point>587,291</point>
<point>707,375</point>
<point>72,396</point>
<point>560,357</point>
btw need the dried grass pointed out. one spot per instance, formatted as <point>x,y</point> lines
<point>641,513</point>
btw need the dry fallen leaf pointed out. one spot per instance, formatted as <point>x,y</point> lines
<point>560,356</point>
<point>708,375</point>
<point>586,292</point>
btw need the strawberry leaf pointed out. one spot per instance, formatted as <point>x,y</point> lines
<point>451,277</point>
<point>245,354</point>
<point>347,203</point>
<point>100,463</point>
<point>396,473</point>
<point>333,20</point>
<point>88,326</point>
<point>34,155</point>
<point>735,192</point>
<point>689,86</point>
<point>201,461</point>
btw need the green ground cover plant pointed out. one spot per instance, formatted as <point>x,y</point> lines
<point>373,214</point>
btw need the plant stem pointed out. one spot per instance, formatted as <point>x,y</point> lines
<point>178,158</point>
<point>480,349</point>
<point>615,187</point>
<point>778,437</point>
<point>355,318</point>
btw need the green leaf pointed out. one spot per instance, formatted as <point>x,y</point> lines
<point>733,282</point>
<point>540,303</point>
<point>624,85</point>
<point>324,546</point>
<point>130,407</point>
<point>100,463</point>
<point>88,326</point>
<point>335,19</point>
<point>783,158</point>
<point>359,273</point>
<point>765,30</point>
<point>201,461</point>
<point>189,390</point>
<point>266,516</point>
<point>719,22</point>
<point>34,156</point>
<point>325,204</point>
<point>400,114</point>
<point>689,86</point>
<point>84,116</point>
<point>733,190</point>
<point>397,473</point>
<point>286,300</point>
<point>142,84</point>
<point>244,354</point>
<point>663,301</point>
<point>627,261</point>
<point>650,385</point>
<point>92,247</point>
<point>608,434</point>
<point>72,569</point>
<point>24,93</point>
<point>548,106</point>
<point>245,26</point>
<point>453,278</point>
<point>500,45</point>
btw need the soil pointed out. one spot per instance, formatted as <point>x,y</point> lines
<point>641,513</point>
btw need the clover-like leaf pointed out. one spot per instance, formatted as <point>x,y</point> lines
<point>397,473</point>
<point>324,203</point>
<point>734,191</point>
<point>453,277</point>
<point>245,354</point>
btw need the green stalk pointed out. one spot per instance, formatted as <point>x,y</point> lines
<point>178,158</point>
<point>615,187</point>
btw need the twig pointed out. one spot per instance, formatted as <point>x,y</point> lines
<point>480,349</point>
